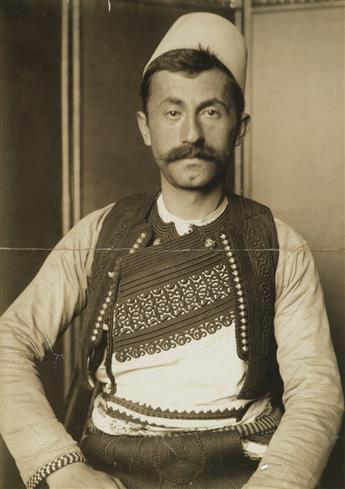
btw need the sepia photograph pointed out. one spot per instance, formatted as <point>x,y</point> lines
<point>172,271</point>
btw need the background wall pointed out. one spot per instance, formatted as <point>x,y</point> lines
<point>297,165</point>
<point>30,200</point>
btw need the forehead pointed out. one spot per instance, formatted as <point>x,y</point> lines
<point>187,88</point>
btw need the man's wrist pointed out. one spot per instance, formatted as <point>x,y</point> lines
<point>49,468</point>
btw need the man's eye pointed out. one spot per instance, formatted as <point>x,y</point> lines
<point>173,114</point>
<point>212,113</point>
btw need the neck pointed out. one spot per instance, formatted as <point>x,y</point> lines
<point>191,204</point>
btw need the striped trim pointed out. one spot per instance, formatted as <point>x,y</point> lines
<point>53,466</point>
<point>148,410</point>
<point>266,423</point>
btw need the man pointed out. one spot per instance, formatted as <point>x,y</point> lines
<point>197,303</point>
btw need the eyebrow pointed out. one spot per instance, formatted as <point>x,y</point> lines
<point>213,101</point>
<point>171,100</point>
<point>206,103</point>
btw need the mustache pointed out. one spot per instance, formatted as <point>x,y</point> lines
<point>205,152</point>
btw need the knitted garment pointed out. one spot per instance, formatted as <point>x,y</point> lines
<point>173,294</point>
<point>209,460</point>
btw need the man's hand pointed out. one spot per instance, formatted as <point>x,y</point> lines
<point>81,476</point>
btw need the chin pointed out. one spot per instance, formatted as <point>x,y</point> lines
<point>192,179</point>
<point>197,184</point>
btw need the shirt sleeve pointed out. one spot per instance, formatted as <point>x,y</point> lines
<point>299,450</point>
<point>29,328</point>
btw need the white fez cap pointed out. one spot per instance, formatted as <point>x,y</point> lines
<point>207,31</point>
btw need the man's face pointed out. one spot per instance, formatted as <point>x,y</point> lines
<point>191,125</point>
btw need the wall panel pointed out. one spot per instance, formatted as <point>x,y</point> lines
<point>297,163</point>
<point>30,181</point>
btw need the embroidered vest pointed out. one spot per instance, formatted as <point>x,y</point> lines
<point>251,237</point>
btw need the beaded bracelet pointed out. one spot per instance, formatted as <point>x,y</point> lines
<point>50,467</point>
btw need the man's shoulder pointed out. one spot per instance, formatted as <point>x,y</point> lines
<point>85,232</point>
<point>288,238</point>
<point>129,211</point>
<point>97,214</point>
<point>93,221</point>
<point>128,202</point>
<point>247,206</point>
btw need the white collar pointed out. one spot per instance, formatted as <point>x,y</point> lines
<point>183,225</point>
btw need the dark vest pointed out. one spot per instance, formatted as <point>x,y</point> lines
<point>253,238</point>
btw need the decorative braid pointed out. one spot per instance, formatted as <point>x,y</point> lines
<point>52,466</point>
<point>264,424</point>
<point>109,348</point>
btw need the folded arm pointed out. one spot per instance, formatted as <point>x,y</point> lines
<point>29,329</point>
<point>299,450</point>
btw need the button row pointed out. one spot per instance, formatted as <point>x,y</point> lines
<point>236,279</point>
<point>137,243</point>
<point>99,322</point>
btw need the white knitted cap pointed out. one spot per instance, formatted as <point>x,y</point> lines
<point>208,31</point>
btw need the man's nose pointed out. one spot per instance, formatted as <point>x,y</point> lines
<point>192,131</point>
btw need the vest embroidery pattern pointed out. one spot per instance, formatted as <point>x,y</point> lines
<point>146,302</point>
<point>164,304</point>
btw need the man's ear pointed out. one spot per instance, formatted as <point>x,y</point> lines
<point>243,127</point>
<point>144,127</point>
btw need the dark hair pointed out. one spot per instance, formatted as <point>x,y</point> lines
<point>191,62</point>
